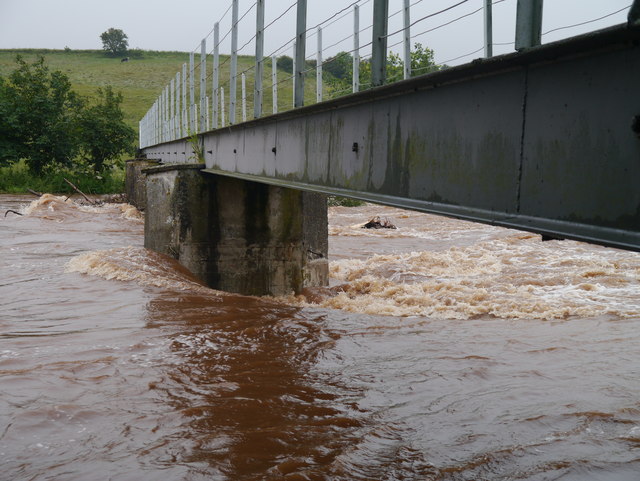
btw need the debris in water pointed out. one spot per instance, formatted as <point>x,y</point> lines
<point>376,223</point>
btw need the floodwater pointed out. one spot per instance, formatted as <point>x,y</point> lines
<point>443,351</point>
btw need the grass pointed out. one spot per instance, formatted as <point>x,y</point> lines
<point>142,79</point>
<point>17,179</point>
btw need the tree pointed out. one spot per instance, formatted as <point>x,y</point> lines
<point>285,63</point>
<point>104,133</point>
<point>114,41</point>
<point>340,66</point>
<point>38,116</point>
<point>45,123</point>
<point>421,63</point>
<point>338,70</point>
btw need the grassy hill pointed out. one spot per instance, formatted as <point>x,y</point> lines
<point>143,77</point>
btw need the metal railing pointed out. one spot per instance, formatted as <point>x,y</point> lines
<point>176,114</point>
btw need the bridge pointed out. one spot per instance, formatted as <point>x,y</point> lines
<point>546,139</point>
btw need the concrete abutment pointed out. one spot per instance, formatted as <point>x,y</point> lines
<point>237,235</point>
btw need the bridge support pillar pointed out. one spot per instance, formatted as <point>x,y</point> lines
<point>236,235</point>
<point>135,182</point>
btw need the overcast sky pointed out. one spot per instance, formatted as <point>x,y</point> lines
<point>180,25</point>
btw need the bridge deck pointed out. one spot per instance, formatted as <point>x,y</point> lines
<point>546,141</point>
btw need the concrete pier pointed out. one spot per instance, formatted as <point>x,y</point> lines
<point>135,181</point>
<point>236,235</point>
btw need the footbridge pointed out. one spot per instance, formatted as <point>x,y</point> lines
<point>546,139</point>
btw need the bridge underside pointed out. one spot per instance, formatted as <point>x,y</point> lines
<point>545,141</point>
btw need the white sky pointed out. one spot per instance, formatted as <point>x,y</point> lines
<point>180,25</point>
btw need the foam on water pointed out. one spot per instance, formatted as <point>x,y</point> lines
<point>136,264</point>
<point>517,277</point>
<point>55,207</point>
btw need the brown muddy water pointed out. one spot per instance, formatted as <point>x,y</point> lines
<point>450,351</point>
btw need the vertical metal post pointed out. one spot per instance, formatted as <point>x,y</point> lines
<point>185,115</point>
<point>172,109</point>
<point>355,72</point>
<point>222,121</point>
<point>156,133</point>
<point>407,39</point>
<point>203,85</point>
<point>234,63</point>
<point>528,24</point>
<point>167,109</point>
<point>301,39</point>
<point>274,84</point>
<point>257,90</point>
<point>379,45</point>
<point>164,115</point>
<point>206,102</point>
<point>192,94</point>
<point>488,29</point>
<point>244,97</point>
<point>178,123</point>
<point>319,68</point>
<point>216,73</point>
<point>633,16</point>
<point>295,77</point>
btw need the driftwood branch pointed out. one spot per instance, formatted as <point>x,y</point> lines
<point>13,211</point>
<point>376,223</point>
<point>79,192</point>
<point>37,194</point>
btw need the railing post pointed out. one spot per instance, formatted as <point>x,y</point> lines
<point>407,39</point>
<point>185,115</point>
<point>528,24</point>
<point>206,101</point>
<point>234,63</point>
<point>294,69</point>
<point>301,38</point>
<point>192,94</point>
<point>172,108</point>
<point>355,71</point>
<point>634,13</point>
<point>257,90</point>
<point>379,42</point>
<point>274,84</point>
<point>203,85</point>
<point>222,120</point>
<point>319,68</point>
<point>216,73</point>
<point>178,121</point>
<point>244,97</point>
<point>488,29</point>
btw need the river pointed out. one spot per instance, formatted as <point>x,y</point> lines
<point>444,350</point>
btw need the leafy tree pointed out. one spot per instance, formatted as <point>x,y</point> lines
<point>114,41</point>
<point>340,66</point>
<point>45,123</point>
<point>38,116</point>
<point>285,63</point>
<point>339,69</point>
<point>105,135</point>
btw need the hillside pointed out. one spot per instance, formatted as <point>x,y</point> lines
<point>143,77</point>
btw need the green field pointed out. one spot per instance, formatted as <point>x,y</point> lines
<point>142,78</point>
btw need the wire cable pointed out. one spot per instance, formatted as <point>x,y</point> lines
<point>425,17</point>
<point>589,21</point>
<point>462,56</point>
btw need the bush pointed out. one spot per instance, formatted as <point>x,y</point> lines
<point>17,178</point>
<point>45,123</point>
